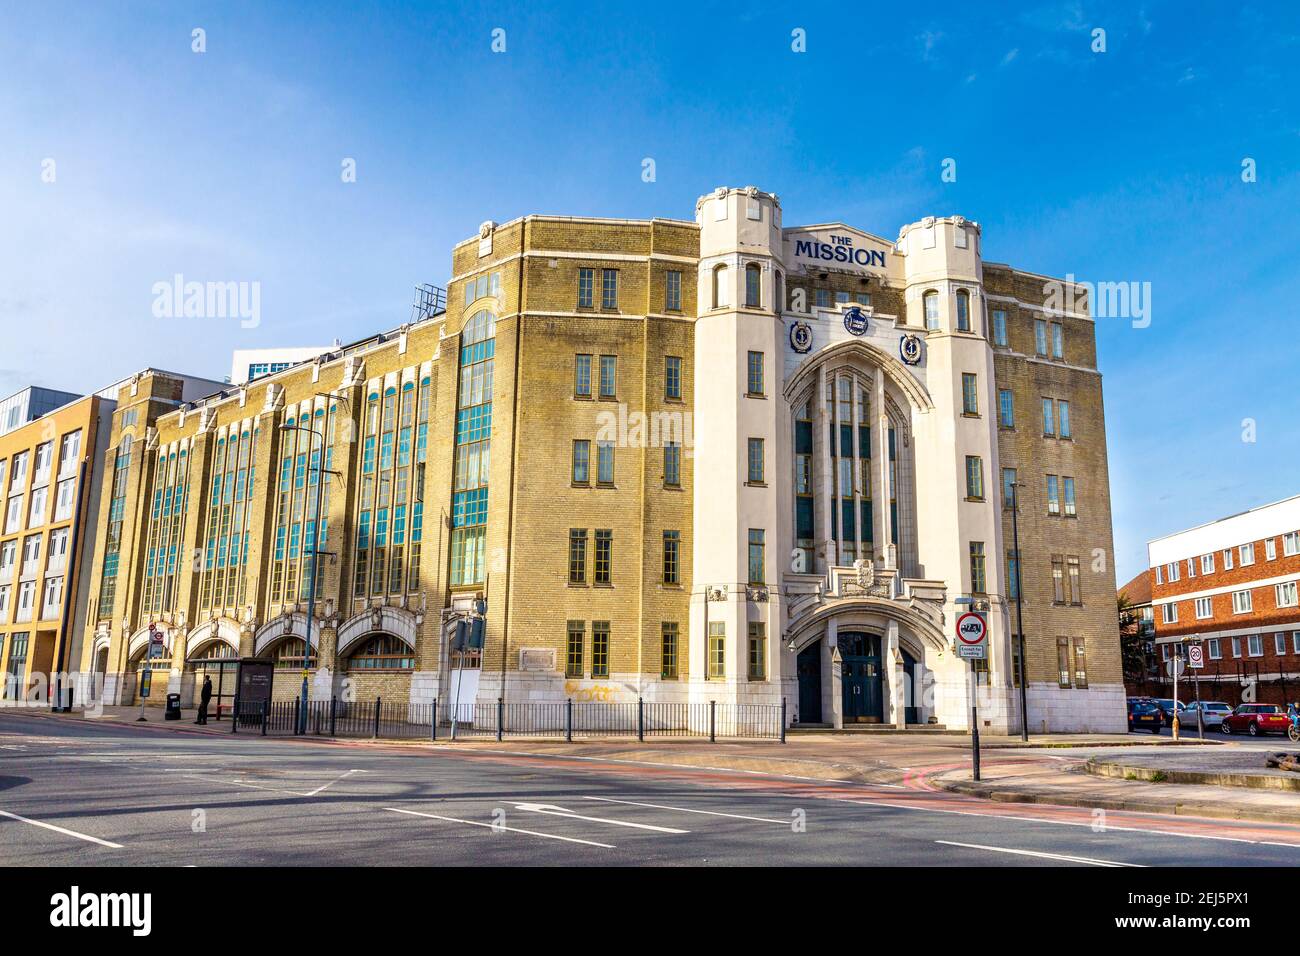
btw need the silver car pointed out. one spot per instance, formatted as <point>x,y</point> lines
<point>1212,713</point>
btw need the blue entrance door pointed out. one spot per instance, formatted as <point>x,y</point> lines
<point>862,684</point>
<point>809,666</point>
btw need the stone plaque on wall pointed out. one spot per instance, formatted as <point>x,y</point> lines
<point>537,658</point>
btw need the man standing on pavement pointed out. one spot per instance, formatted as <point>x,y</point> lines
<point>204,696</point>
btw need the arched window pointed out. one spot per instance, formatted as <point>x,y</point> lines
<point>721,276</point>
<point>753,286</point>
<point>382,652</point>
<point>931,303</point>
<point>287,655</point>
<point>215,651</point>
<point>963,310</point>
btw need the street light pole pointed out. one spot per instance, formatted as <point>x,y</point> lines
<point>315,542</point>
<point>1020,621</point>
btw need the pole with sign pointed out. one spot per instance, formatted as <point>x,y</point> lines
<point>972,645</point>
<point>1175,667</point>
<point>1196,661</point>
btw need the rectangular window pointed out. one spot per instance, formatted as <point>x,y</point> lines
<point>603,569</point>
<point>1207,564</point>
<point>1242,603</point>
<point>1040,336</point>
<point>1213,649</point>
<point>1247,553</point>
<point>1236,647</point>
<point>604,462</point>
<point>1049,419</point>
<point>1279,644</point>
<point>1286,594</point>
<point>1204,608</point>
<point>668,650</point>
<point>977,584</point>
<point>1191,567</point>
<point>999,327</point>
<point>755,461</point>
<point>1053,495</point>
<point>1058,579</point>
<point>586,288</point>
<point>1067,488</point>
<point>1080,662</point>
<point>757,555</point>
<point>600,648</point>
<point>672,557</point>
<point>577,634</point>
<point>1270,549</point>
<point>1169,613</point>
<point>969,395</point>
<point>582,376</point>
<point>1008,487</point>
<point>577,555</point>
<point>581,461</point>
<point>1072,568</point>
<point>673,378</point>
<point>1058,340</point>
<point>823,298</point>
<point>974,477</point>
<point>1227,559</point>
<point>757,650</point>
<point>673,291</point>
<point>1255,645</point>
<point>1172,570</point>
<point>963,311</point>
<point>672,465</point>
<point>1291,544</point>
<point>1013,576</point>
<point>755,378</point>
<point>1063,661</point>
<point>1063,413</point>
<point>608,374</point>
<point>1006,408</point>
<point>609,288</point>
<point>931,302</point>
<point>717,662</point>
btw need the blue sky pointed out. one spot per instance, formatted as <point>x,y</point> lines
<point>1115,166</point>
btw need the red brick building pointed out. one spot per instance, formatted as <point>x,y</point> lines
<point>1232,584</point>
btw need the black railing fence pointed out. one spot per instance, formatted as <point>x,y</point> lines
<point>565,719</point>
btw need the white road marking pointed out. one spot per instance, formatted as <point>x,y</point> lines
<point>491,826</point>
<point>1035,853</point>
<point>711,813</point>
<point>66,832</point>
<point>868,787</point>
<point>207,778</point>
<point>554,811</point>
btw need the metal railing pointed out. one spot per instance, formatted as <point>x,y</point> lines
<point>565,719</point>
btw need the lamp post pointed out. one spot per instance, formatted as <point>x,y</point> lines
<point>315,540</point>
<point>1020,621</point>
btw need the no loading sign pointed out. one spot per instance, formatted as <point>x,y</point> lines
<point>972,632</point>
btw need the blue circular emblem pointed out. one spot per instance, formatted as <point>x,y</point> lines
<point>909,349</point>
<point>800,337</point>
<point>855,321</point>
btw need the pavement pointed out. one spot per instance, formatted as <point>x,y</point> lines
<point>119,793</point>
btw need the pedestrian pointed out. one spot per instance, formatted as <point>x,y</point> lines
<point>205,695</point>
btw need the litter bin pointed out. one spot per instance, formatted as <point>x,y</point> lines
<point>173,711</point>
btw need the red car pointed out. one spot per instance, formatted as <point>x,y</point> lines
<point>1256,719</point>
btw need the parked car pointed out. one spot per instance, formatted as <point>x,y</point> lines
<point>1145,713</point>
<point>1168,708</point>
<point>1256,719</point>
<point>1212,713</point>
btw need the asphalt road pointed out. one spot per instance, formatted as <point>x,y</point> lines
<point>78,793</point>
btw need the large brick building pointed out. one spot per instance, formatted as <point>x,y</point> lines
<point>717,459</point>
<point>1231,584</point>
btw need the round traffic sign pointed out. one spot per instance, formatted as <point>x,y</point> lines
<point>970,628</point>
